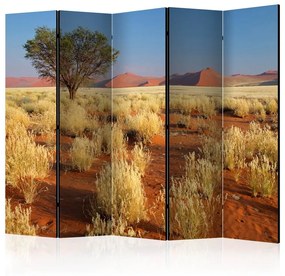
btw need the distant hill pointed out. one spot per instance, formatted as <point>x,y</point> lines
<point>205,77</point>
<point>130,80</point>
<point>12,82</point>
<point>266,78</point>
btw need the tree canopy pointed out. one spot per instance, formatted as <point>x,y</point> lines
<point>84,54</point>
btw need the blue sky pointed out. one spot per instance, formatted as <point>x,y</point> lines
<point>140,38</point>
<point>93,21</point>
<point>19,28</point>
<point>195,40</point>
<point>250,45</point>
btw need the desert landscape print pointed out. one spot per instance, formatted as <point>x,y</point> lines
<point>195,124</point>
<point>112,155</point>
<point>116,124</point>
<point>250,113</point>
<point>224,142</point>
<point>138,135</point>
<point>30,133</point>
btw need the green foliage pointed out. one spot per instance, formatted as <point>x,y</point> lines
<point>83,54</point>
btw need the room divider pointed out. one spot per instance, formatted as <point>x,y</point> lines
<point>158,124</point>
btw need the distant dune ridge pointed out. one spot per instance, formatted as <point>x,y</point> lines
<point>131,80</point>
<point>27,82</point>
<point>206,77</point>
<point>266,78</point>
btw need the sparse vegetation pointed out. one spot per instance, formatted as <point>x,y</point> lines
<point>18,220</point>
<point>262,177</point>
<point>82,153</point>
<point>195,198</point>
<point>74,119</point>
<point>146,125</point>
<point>141,157</point>
<point>26,162</point>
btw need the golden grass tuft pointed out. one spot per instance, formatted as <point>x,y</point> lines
<point>25,162</point>
<point>146,125</point>
<point>262,177</point>
<point>82,153</point>
<point>18,221</point>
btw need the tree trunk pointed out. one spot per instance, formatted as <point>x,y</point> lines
<point>72,93</point>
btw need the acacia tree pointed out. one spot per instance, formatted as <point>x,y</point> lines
<point>83,55</point>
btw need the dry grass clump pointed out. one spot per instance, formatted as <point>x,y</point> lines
<point>146,125</point>
<point>212,150</point>
<point>184,121</point>
<point>261,141</point>
<point>239,145</point>
<point>259,148</point>
<point>99,226</point>
<point>193,198</point>
<point>204,105</point>
<point>241,108</point>
<point>120,198</point>
<point>82,153</point>
<point>75,120</point>
<point>141,157</point>
<point>18,221</point>
<point>25,162</point>
<point>188,218</point>
<point>18,115</point>
<point>262,176</point>
<point>271,106</point>
<point>44,122</point>
<point>38,107</point>
<point>121,107</point>
<point>202,176</point>
<point>128,197</point>
<point>118,140</point>
<point>234,148</point>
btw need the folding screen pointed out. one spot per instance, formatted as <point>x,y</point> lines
<point>85,124</point>
<point>251,124</point>
<point>164,124</point>
<point>195,120</point>
<point>138,90</point>
<point>30,124</point>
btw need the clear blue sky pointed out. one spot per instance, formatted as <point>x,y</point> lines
<point>19,28</point>
<point>250,45</point>
<point>195,40</point>
<point>140,38</point>
<point>93,21</point>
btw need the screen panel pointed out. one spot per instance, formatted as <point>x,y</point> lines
<point>139,124</point>
<point>195,123</point>
<point>85,124</point>
<point>30,124</point>
<point>251,124</point>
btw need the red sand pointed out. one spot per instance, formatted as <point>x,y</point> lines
<point>266,78</point>
<point>205,77</point>
<point>12,82</point>
<point>133,80</point>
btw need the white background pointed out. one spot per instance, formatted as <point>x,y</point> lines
<point>129,256</point>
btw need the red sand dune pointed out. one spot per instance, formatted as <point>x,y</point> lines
<point>266,78</point>
<point>132,80</point>
<point>12,82</point>
<point>205,77</point>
